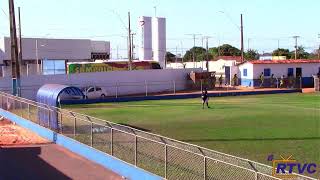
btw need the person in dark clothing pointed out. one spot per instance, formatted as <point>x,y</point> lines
<point>220,81</point>
<point>205,98</point>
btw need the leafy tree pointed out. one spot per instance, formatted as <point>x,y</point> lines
<point>282,52</point>
<point>200,54</point>
<point>170,57</point>
<point>251,54</point>
<point>301,53</point>
<point>214,51</point>
<point>228,50</point>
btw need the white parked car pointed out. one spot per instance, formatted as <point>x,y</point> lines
<point>94,92</point>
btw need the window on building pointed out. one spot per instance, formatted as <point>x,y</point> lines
<point>245,72</point>
<point>298,72</point>
<point>290,72</point>
<point>267,72</point>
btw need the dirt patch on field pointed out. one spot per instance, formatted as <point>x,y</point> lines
<point>11,134</point>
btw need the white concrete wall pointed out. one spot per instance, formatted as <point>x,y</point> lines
<point>32,70</point>
<point>249,68</point>
<point>217,66</point>
<point>64,49</point>
<point>308,69</point>
<point>188,65</point>
<point>128,82</point>
<point>100,47</point>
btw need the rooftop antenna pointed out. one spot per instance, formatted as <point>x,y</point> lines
<point>155,11</point>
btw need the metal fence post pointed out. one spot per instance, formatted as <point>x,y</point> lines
<point>14,105</point>
<point>1,101</point>
<point>21,109</point>
<point>111,144</point>
<point>300,82</point>
<point>61,123</point>
<point>204,167</point>
<point>135,150</point>
<point>91,134</point>
<point>116,90</point>
<point>74,127</point>
<point>49,118</point>
<point>8,104</point>
<point>29,112</point>
<point>146,86</point>
<point>174,87</point>
<point>165,161</point>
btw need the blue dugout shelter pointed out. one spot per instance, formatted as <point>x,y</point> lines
<point>49,96</point>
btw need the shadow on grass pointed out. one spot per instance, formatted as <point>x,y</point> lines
<point>135,127</point>
<point>251,139</point>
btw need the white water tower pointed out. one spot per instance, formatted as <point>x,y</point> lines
<point>159,40</point>
<point>145,33</point>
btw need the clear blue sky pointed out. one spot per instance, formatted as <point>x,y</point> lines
<point>265,21</point>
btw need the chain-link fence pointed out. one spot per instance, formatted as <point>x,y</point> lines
<point>160,155</point>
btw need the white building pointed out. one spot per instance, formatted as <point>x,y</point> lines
<point>67,50</point>
<point>250,71</point>
<point>225,65</point>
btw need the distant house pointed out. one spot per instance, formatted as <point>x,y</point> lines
<point>250,71</point>
<point>226,65</point>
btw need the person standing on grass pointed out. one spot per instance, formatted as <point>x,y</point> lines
<point>261,79</point>
<point>272,80</point>
<point>220,81</point>
<point>214,79</point>
<point>205,98</point>
<point>282,81</point>
<point>235,80</point>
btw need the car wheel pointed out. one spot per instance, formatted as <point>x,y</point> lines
<point>103,96</point>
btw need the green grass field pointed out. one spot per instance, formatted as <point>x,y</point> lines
<point>247,126</point>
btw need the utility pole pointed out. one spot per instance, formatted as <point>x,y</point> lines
<point>207,51</point>
<point>20,41</point>
<point>155,11</point>
<point>176,54</point>
<point>296,46</point>
<point>117,51</point>
<point>20,47</point>
<point>129,42</point>
<point>241,29</point>
<point>319,47</point>
<point>132,46</point>
<point>248,44</point>
<point>14,51</point>
<point>193,49</point>
<point>278,49</point>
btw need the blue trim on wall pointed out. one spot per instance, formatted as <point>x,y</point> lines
<point>307,82</point>
<point>177,96</point>
<point>118,166</point>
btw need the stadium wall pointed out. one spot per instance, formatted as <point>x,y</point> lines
<point>118,166</point>
<point>128,82</point>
